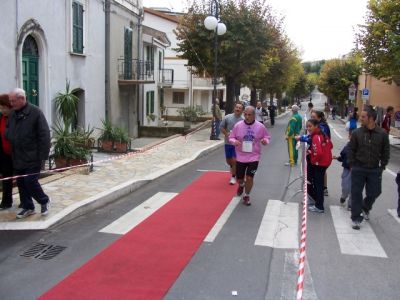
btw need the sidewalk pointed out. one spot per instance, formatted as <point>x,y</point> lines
<point>394,136</point>
<point>73,193</point>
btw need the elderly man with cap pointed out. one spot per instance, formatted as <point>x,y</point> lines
<point>294,127</point>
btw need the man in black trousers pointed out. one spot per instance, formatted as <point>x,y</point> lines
<point>29,134</point>
<point>368,155</point>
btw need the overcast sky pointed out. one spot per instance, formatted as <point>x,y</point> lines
<point>321,29</point>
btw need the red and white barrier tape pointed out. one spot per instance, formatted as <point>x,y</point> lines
<point>302,258</point>
<point>142,150</point>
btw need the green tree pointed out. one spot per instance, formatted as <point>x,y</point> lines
<point>379,39</point>
<point>241,48</point>
<point>336,77</point>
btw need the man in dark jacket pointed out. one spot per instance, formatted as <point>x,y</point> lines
<point>29,135</point>
<point>368,156</point>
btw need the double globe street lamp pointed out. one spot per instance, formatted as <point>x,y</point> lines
<point>212,23</point>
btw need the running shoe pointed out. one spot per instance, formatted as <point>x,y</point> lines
<point>246,200</point>
<point>313,208</point>
<point>232,181</point>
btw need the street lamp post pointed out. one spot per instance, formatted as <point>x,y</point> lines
<point>212,23</point>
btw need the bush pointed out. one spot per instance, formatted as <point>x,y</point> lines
<point>191,113</point>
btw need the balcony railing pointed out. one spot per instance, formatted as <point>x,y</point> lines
<point>135,70</point>
<point>166,76</point>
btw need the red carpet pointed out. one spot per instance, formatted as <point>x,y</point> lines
<point>145,263</point>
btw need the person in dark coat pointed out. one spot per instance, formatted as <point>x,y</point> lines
<point>29,135</point>
<point>6,167</point>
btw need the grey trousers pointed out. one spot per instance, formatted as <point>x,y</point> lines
<point>371,179</point>
<point>346,184</point>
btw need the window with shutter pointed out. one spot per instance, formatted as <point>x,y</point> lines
<point>77,27</point>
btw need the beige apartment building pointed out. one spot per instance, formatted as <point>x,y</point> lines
<point>381,94</point>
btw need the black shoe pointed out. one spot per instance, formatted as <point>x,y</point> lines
<point>366,215</point>
<point>25,213</point>
<point>356,225</point>
<point>326,192</point>
<point>240,190</point>
<point>342,201</point>
<point>44,208</point>
<point>4,207</point>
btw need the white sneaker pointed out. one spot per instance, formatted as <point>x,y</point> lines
<point>232,181</point>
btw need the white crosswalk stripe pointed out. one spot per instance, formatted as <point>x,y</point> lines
<point>137,215</point>
<point>355,242</point>
<point>280,226</point>
<point>393,212</point>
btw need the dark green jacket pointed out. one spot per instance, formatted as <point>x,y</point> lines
<point>29,134</point>
<point>369,148</point>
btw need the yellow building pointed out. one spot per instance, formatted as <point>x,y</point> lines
<point>381,94</point>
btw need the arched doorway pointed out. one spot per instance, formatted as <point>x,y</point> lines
<point>30,70</point>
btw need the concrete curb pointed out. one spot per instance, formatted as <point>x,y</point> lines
<point>104,198</point>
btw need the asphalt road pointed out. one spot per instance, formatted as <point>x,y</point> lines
<point>232,264</point>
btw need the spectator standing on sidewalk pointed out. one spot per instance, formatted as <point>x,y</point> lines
<point>387,119</point>
<point>368,156</point>
<point>310,109</point>
<point>398,193</point>
<point>29,134</point>
<point>260,112</point>
<point>292,130</point>
<point>226,126</point>
<point>346,176</point>
<point>6,167</point>
<point>248,135</point>
<point>353,120</point>
<point>323,125</point>
<point>319,159</point>
<point>218,118</point>
<point>272,113</point>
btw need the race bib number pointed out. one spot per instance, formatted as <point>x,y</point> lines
<point>247,146</point>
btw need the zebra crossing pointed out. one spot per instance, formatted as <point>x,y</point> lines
<point>279,227</point>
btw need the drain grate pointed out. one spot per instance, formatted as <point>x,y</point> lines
<point>43,251</point>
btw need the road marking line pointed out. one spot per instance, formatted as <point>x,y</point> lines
<point>212,235</point>
<point>355,242</point>
<point>337,133</point>
<point>393,212</point>
<point>213,171</point>
<point>140,213</point>
<point>279,226</point>
<point>390,172</point>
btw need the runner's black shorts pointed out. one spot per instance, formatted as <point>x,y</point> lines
<point>249,168</point>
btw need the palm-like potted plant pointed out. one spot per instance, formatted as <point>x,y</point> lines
<point>106,139</point>
<point>121,140</point>
<point>66,104</point>
<point>68,148</point>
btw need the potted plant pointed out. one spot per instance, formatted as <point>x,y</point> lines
<point>121,140</point>
<point>66,104</point>
<point>67,146</point>
<point>106,139</point>
<point>190,114</point>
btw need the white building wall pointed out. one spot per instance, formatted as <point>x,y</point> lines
<point>56,63</point>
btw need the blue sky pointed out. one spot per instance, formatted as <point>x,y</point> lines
<point>320,29</point>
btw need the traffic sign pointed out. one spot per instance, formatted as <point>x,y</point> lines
<point>352,92</point>
<point>365,94</point>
